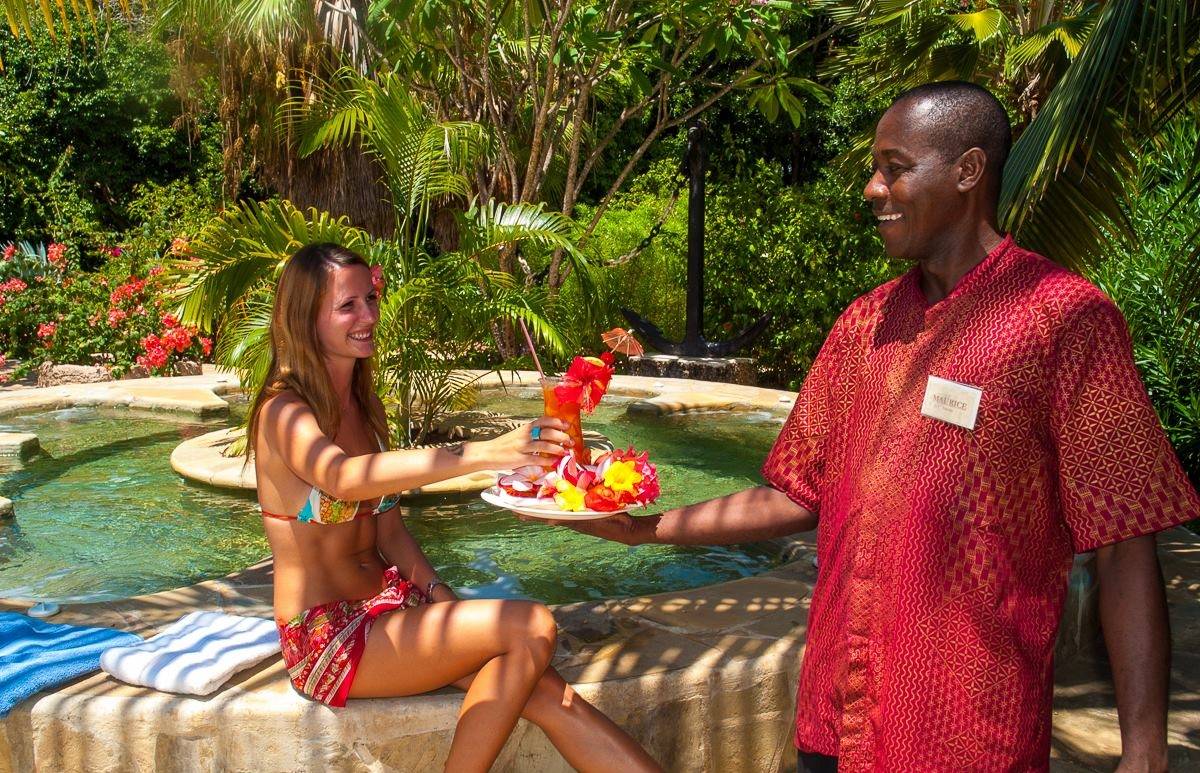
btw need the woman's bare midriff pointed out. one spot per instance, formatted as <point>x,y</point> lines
<point>318,564</point>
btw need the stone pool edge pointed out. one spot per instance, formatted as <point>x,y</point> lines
<point>704,678</point>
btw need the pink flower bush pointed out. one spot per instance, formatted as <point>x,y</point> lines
<point>127,291</point>
<point>14,286</point>
<point>56,253</point>
<point>173,339</point>
<point>156,353</point>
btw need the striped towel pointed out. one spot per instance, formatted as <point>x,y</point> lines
<point>36,655</point>
<point>196,654</point>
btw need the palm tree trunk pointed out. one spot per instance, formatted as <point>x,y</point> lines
<point>342,181</point>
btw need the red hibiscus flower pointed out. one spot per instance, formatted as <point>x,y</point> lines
<point>586,381</point>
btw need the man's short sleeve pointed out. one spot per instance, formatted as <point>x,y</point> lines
<point>1118,476</point>
<point>796,462</point>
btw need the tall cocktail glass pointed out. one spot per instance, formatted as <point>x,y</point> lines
<point>569,413</point>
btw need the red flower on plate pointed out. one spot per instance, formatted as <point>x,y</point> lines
<point>586,381</point>
<point>602,499</point>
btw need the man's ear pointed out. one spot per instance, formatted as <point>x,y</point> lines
<point>971,167</point>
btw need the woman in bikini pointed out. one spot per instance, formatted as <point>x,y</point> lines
<point>361,612</point>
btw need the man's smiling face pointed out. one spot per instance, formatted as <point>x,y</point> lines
<point>913,188</point>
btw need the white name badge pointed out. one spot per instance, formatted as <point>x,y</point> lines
<point>951,402</point>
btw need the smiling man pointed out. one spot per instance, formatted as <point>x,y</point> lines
<point>965,429</point>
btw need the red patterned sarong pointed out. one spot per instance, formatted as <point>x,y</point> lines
<point>322,645</point>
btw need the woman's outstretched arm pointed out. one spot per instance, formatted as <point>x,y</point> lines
<point>292,430</point>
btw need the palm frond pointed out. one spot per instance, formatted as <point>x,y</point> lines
<point>423,159</point>
<point>1069,34</point>
<point>498,225</point>
<point>984,25</point>
<point>246,247</point>
<point>271,22</point>
<point>1076,157</point>
<point>244,344</point>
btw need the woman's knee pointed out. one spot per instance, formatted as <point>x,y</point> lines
<point>535,628</point>
<point>545,628</point>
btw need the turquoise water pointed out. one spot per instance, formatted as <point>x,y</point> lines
<point>101,515</point>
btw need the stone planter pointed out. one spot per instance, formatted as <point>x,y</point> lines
<point>50,374</point>
<point>729,370</point>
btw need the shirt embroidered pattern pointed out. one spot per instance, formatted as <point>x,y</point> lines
<point>944,551</point>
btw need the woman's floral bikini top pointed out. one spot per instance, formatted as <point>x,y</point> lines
<point>323,508</point>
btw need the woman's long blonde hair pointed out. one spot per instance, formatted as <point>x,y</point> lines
<point>296,359</point>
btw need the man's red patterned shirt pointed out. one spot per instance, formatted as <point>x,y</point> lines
<point>943,552</point>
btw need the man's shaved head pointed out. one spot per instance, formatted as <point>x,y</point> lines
<point>957,116</point>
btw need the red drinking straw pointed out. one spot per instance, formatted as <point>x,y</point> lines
<point>529,343</point>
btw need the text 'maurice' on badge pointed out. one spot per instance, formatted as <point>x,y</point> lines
<point>951,402</point>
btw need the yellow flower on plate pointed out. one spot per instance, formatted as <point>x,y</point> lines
<point>622,476</point>
<point>568,497</point>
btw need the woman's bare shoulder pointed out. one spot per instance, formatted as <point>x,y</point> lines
<point>285,413</point>
<point>285,404</point>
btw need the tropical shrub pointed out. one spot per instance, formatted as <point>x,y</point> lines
<point>51,311</point>
<point>90,134</point>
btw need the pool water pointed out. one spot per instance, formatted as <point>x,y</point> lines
<point>101,515</point>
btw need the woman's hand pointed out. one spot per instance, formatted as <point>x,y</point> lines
<point>519,448</point>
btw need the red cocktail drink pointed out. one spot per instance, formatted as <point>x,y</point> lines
<point>567,412</point>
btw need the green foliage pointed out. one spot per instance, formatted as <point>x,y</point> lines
<point>82,125</point>
<point>802,254</point>
<point>653,283</point>
<point>1144,284</point>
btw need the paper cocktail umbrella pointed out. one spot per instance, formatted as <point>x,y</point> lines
<point>622,341</point>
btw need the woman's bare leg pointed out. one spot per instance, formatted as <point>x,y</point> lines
<point>586,738</point>
<point>505,645</point>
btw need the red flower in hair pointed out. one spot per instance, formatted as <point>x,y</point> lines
<point>377,278</point>
<point>586,381</point>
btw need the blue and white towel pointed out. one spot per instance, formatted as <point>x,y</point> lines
<point>196,654</point>
<point>36,655</point>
